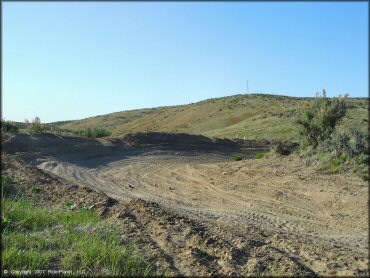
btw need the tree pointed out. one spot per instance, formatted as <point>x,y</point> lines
<point>35,126</point>
<point>7,131</point>
<point>317,120</point>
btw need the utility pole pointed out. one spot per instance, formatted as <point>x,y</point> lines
<point>248,86</point>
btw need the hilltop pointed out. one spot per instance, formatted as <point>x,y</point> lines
<point>255,116</point>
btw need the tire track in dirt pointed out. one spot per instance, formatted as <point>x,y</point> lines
<point>202,250</point>
<point>199,182</point>
<point>199,215</point>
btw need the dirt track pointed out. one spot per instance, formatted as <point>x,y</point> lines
<point>195,203</point>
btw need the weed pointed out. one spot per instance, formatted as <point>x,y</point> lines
<point>361,171</point>
<point>8,126</point>
<point>261,154</point>
<point>5,185</point>
<point>86,208</point>
<point>333,165</point>
<point>238,158</point>
<point>93,132</point>
<point>36,189</point>
<point>70,205</point>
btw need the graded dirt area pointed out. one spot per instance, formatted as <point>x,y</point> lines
<point>196,211</point>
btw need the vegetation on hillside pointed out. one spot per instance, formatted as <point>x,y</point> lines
<point>36,127</point>
<point>250,116</point>
<point>8,129</point>
<point>326,143</point>
<point>319,118</point>
<point>8,126</point>
<point>93,132</point>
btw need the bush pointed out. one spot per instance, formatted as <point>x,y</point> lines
<point>7,131</point>
<point>55,129</point>
<point>93,133</point>
<point>362,172</point>
<point>362,159</point>
<point>359,142</point>
<point>8,126</point>
<point>329,165</point>
<point>343,151</point>
<point>352,142</point>
<point>317,120</point>
<point>327,147</point>
<point>261,155</point>
<point>284,148</point>
<point>36,189</point>
<point>238,158</point>
<point>35,126</point>
<point>338,143</point>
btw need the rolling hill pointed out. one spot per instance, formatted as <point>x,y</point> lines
<point>253,116</point>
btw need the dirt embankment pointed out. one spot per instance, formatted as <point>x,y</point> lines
<point>189,141</point>
<point>200,213</point>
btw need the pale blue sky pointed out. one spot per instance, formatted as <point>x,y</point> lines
<point>64,61</point>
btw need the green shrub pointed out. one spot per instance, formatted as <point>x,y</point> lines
<point>359,142</point>
<point>238,158</point>
<point>261,154</point>
<point>327,147</point>
<point>93,133</point>
<point>70,205</point>
<point>338,143</point>
<point>55,129</point>
<point>362,159</point>
<point>86,208</point>
<point>317,120</point>
<point>333,165</point>
<point>362,172</point>
<point>8,126</point>
<point>36,189</point>
<point>352,142</point>
<point>35,126</point>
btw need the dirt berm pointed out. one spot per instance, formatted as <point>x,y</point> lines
<point>195,211</point>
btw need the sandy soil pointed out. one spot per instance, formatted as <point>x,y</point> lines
<point>204,213</point>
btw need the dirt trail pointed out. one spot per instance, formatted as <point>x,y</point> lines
<point>202,213</point>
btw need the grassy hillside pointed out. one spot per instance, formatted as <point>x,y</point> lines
<point>255,116</point>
